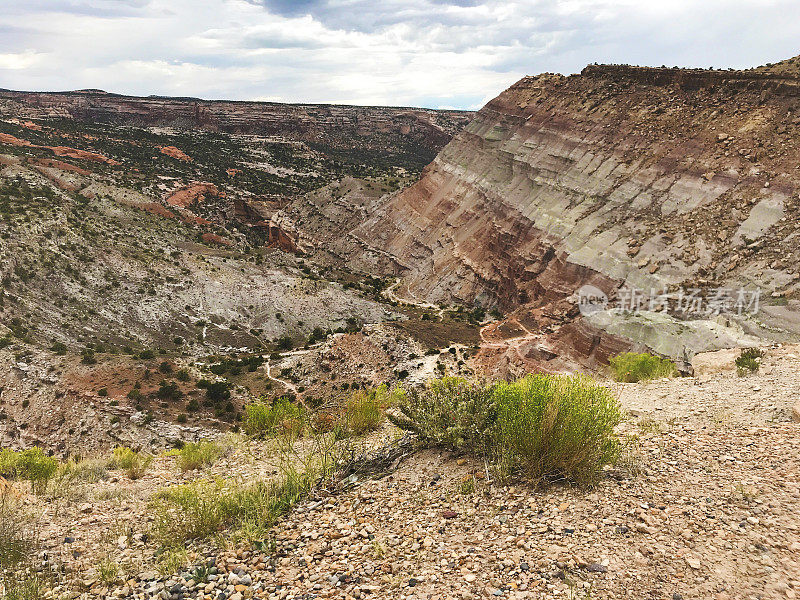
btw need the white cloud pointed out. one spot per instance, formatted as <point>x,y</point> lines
<point>400,52</point>
<point>20,60</point>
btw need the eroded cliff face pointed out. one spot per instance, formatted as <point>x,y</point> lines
<point>620,177</point>
<point>345,128</point>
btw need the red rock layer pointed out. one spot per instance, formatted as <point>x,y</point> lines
<point>657,177</point>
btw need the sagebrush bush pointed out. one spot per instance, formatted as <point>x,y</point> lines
<point>631,367</point>
<point>31,464</point>
<point>196,455</point>
<point>264,420</point>
<point>748,361</point>
<point>541,426</point>
<point>450,412</point>
<point>133,462</point>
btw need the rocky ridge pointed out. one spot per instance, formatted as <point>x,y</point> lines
<point>337,126</point>
<point>618,178</point>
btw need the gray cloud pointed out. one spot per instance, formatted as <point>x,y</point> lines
<point>400,52</point>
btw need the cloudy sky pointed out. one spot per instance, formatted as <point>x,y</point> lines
<point>437,53</point>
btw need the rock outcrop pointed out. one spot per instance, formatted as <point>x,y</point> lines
<point>335,126</point>
<point>620,178</point>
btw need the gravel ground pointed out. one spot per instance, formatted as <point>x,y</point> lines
<point>706,504</point>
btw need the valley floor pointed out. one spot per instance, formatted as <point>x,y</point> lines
<point>706,504</point>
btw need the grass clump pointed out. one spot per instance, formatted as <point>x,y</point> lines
<point>133,462</point>
<point>748,361</point>
<point>631,367</point>
<point>364,410</point>
<point>16,538</point>
<point>541,426</point>
<point>265,420</point>
<point>27,586</point>
<point>18,546</point>
<point>196,455</point>
<point>108,571</point>
<point>204,507</point>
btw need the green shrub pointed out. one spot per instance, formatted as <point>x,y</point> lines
<point>88,357</point>
<point>365,409</point>
<point>31,464</point>
<point>195,455</point>
<point>59,348</point>
<point>263,420</point>
<point>631,367</point>
<point>134,463</point>
<point>450,412</point>
<point>284,343</point>
<point>748,361</point>
<point>541,426</point>
<point>218,391</point>
<point>555,426</point>
<point>169,390</point>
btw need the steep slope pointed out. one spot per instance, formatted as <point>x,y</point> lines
<point>620,178</point>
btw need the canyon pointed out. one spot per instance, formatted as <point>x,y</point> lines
<point>480,232</point>
<point>241,300</point>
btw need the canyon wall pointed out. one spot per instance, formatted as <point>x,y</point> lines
<point>619,178</point>
<point>336,126</point>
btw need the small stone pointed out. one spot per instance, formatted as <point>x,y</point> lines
<point>596,567</point>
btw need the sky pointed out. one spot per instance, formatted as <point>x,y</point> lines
<point>433,53</point>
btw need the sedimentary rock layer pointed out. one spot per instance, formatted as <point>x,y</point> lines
<point>620,177</point>
<point>332,125</point>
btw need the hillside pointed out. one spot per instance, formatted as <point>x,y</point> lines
<point>704,505</point>
<point>402,137</point>
<point>665,181</point>
<point>147,235</point>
